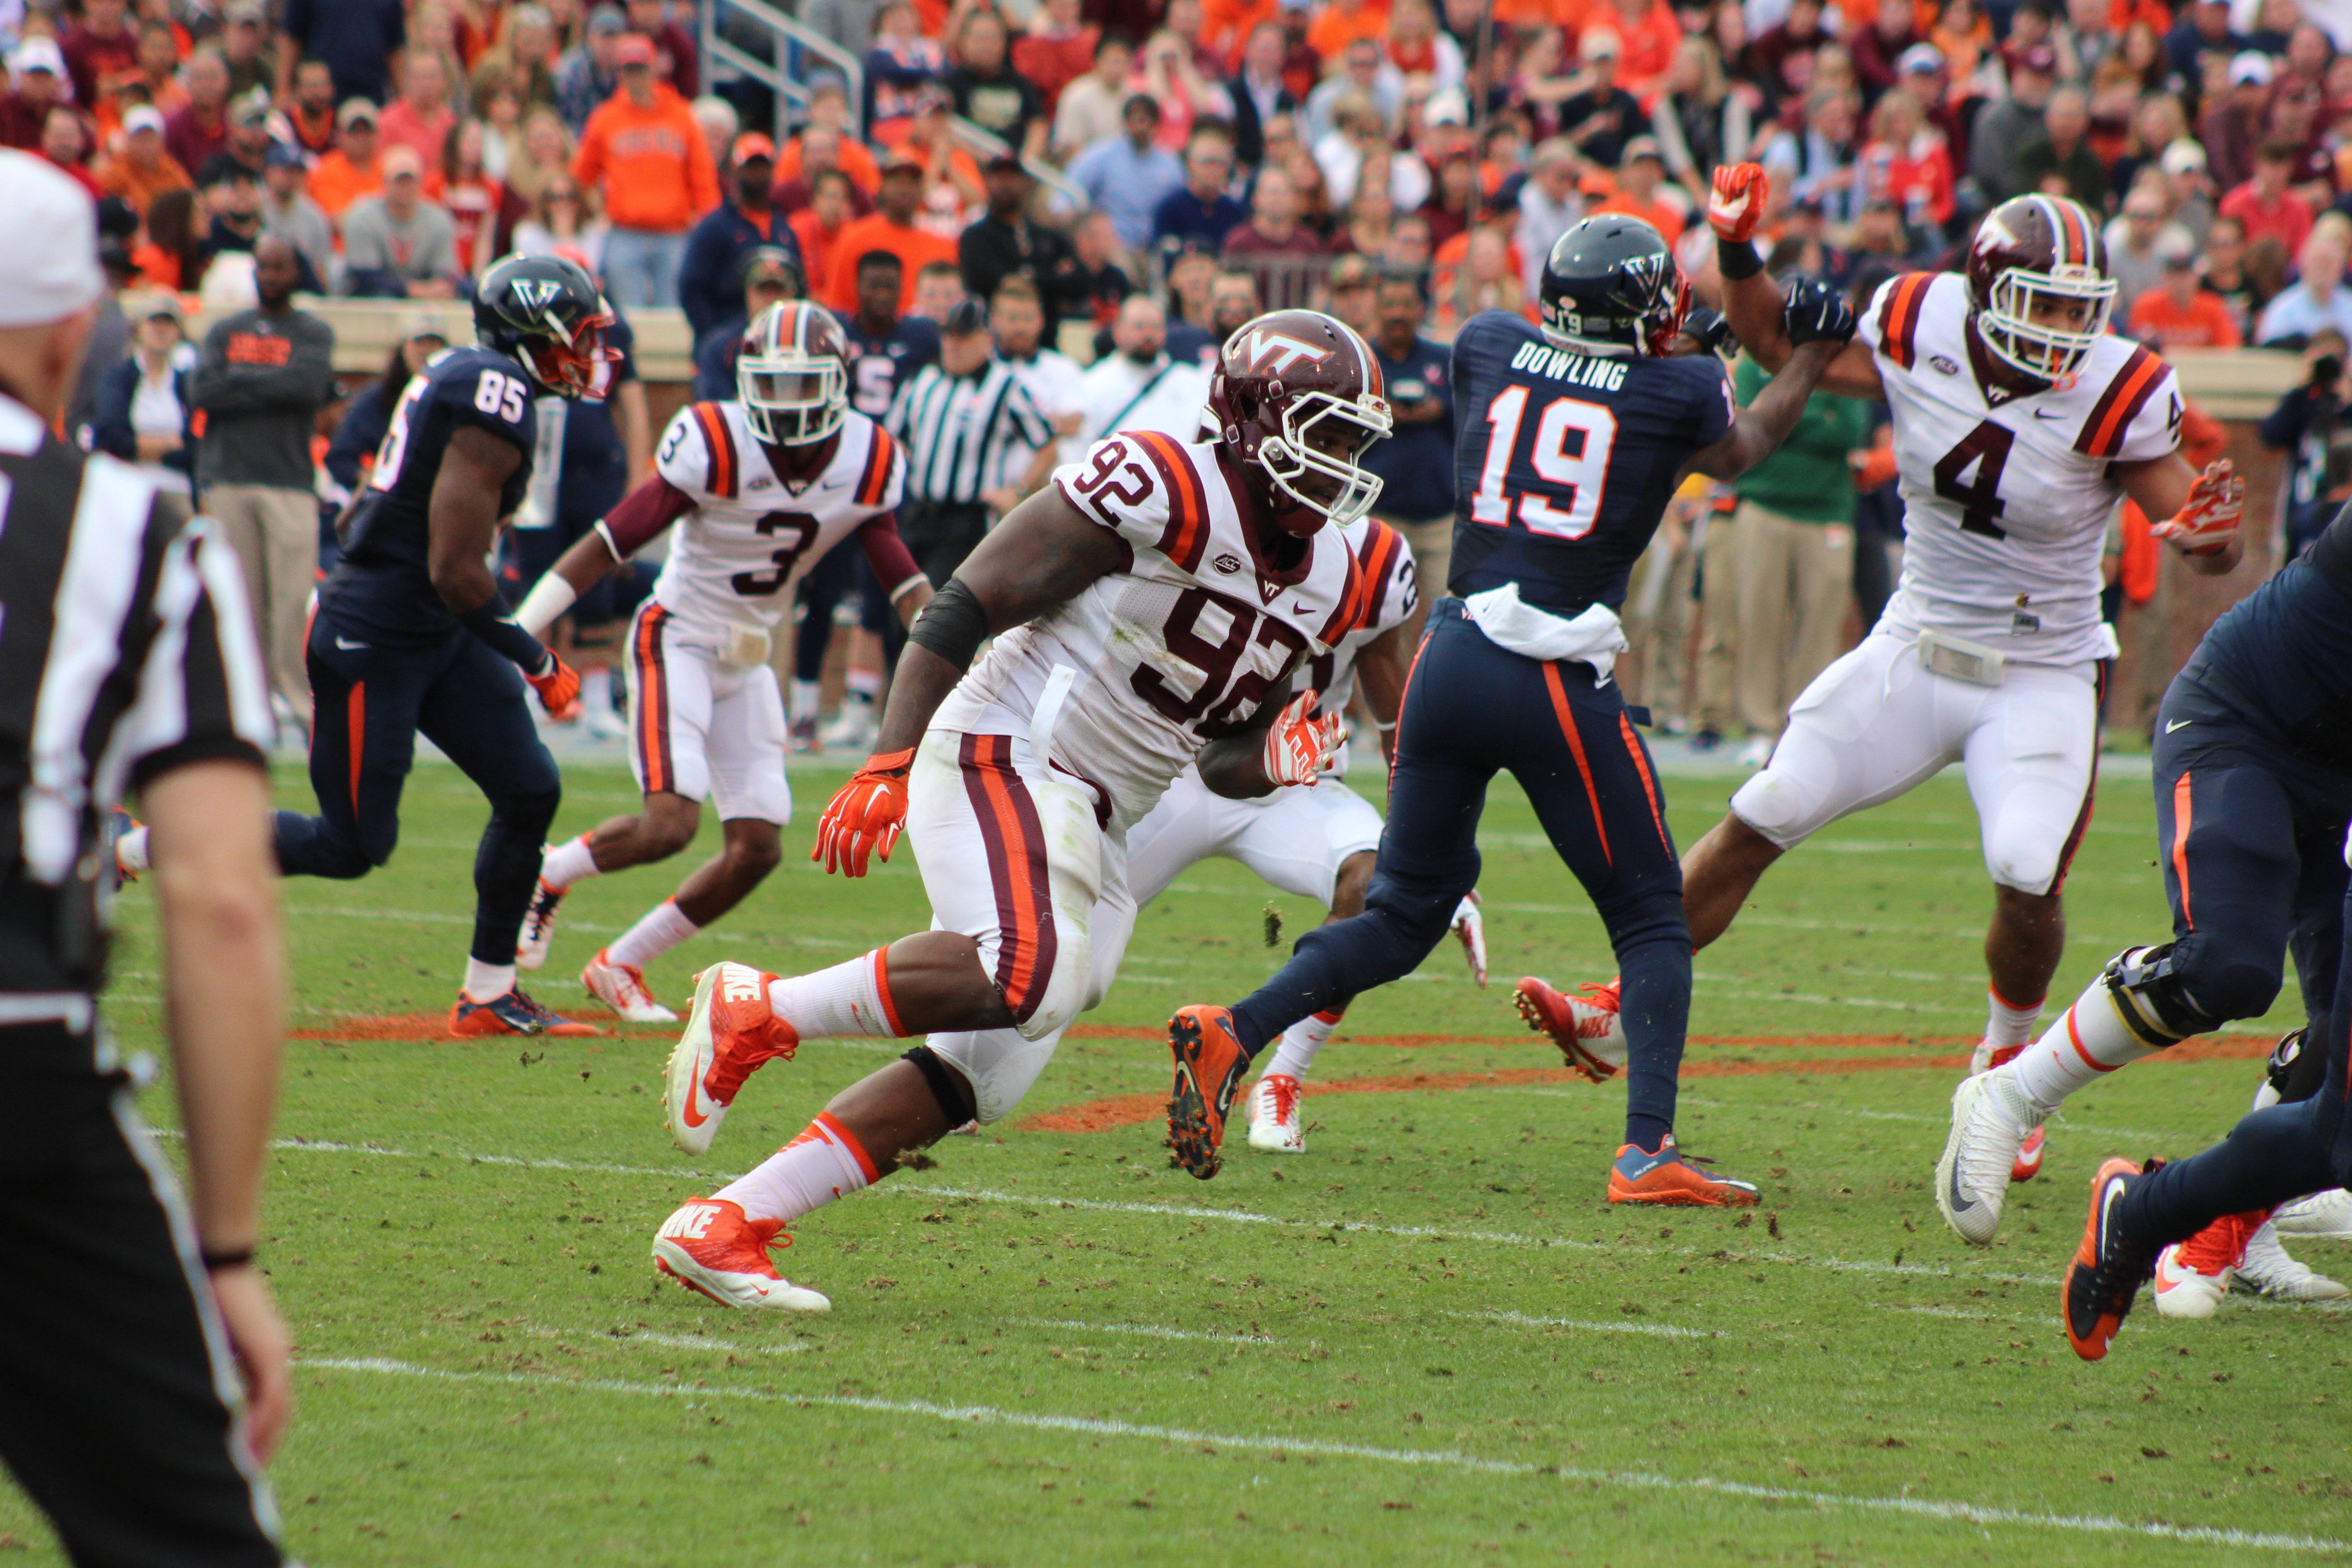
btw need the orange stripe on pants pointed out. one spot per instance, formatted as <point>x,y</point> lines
<point>355,720</point>
<point>2181,812</point>
<point>1576,748</point>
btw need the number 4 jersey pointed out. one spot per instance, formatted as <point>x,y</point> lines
<point>2006,503</point>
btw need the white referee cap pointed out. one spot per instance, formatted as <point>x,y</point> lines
<point>54,272</point>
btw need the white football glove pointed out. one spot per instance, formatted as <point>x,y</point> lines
<point>1298,748</point>
<point>2209,519</point>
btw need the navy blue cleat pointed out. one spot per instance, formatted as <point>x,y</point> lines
<point>512,1014</point>
<point>1667,1180</point>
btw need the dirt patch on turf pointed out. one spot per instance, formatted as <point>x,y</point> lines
<point>424,1026</point>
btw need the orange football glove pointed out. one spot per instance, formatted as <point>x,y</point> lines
<point>1298,748</point>
<point>866,815</point>
<point>1736,205</point>
<point>558,685</point>
<point>2209,519</point>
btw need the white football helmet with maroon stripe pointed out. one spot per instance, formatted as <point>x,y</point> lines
<point>2038,278</point>
<point>793,375</point>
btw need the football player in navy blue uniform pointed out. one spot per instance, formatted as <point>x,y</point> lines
<point>1573,436</point>
<point>412,636</point>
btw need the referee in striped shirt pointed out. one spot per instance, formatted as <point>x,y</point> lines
<point>972,437</point>
<point>142,1367</point>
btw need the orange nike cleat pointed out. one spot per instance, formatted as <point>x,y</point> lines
<point>513,1013</point>
<point>729,1034</point>
<point>1667,1180</point>
<point>1210,1064</point>
<point>2108,1268</point>
<point>711,1247</point>
<point>1585,1027</point>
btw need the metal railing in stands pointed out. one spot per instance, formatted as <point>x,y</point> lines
<point>787,35</point>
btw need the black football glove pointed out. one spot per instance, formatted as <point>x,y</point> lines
<point>1816,313</point>
<point>1711,331</point>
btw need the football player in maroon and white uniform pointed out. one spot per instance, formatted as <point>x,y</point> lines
<point>1150,607</point>
<point>758,489</point>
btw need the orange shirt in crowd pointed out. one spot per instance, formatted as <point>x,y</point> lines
<point>402,125</point>
<point>857,160</point>
<point>1667,219</point>
<point>1649,46</point>
<point>336,182</point>
<point>2165,326</point>
<point>817,244</point>
<point>1331,33</point>
<point>119,176</point>
<point>2288,219</point>
<point>914,247</point>
<point>159,267</point>
<point>1226,25</point>
<point>1569,14</point>
<point>653,164</point>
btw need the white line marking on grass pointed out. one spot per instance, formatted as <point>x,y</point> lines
<point>1667,1331</point>
<point>1952,1313</point>
<point>1439,1459</point>
<point>1152,1330</point>
<point>675,1342</point>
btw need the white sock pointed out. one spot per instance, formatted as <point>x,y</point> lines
<point>1294,1052</point>
<point>2087,1042</point>
<point>2008,1028</point>
<point>807,696</point>
<point>662,928</point>
<point>847,1000</point>
<point>567,863</point>
<point>824,1163</point>
<point>596,689</point>
<point>130,850</point>
<point>487,981</point>
<point>865,684</point>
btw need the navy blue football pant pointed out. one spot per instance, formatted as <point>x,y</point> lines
<point>2252,835</point>
<point>1473,709</point>
<point>838,572</point>
<point>368,705</point>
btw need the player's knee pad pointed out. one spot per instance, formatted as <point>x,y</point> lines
<point>2024,855</point>
<point>949,1087</point>
<point>998,1064</point>
<point>1782,804</point>
<point>2146,985</point>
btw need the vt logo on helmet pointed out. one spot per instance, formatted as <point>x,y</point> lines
<point>1610,286</point>
<point>1298,396</point>
<point>546,314</point>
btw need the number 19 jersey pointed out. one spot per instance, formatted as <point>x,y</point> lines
<point>2006,501</point>
<point>1565,461</point>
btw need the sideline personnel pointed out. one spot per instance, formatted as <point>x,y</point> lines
<point>127,658</point>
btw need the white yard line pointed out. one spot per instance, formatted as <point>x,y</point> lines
<point>672,1342</point>
<point>1149,1330</point>
<point>1664,1331</point>
<point>1433,1458</point>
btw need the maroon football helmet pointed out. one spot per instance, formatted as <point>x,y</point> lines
<point>1297,395</point>
<point>792,375</point>
<point>2038,282</point>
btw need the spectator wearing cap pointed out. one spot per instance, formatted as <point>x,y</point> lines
<point>2139,243</point>
<point>1639,175</point>
<point>1199,211</point>
<point>245,45</point>
<point>310,114</point>
<point>2317,298</point>
<point>1089,108</point>
<point>143,402</point>
<point>986,89</point>
<point>102,50</point>
<point>138,169</point>
<point>287,209</point>
<point>2182,164</point>
<point>2231,126</point>
<point>1003,243</point>
<point>1919,77</point>
<point>892,228</point>
<point>199,128</point>
<point>2003,129</point>
<point>900,68</point>
<point>589,74</point>
<point>2181,312</point>
<point>675,60</point>
<point>2203,28</point>
<point>39,71</point>
<point>826,140</point>
<point>1600,117</point>
<point>2061,161</point>
<point>396,243</point>
<point>357,38</point>
<point>972,432</point>
<point>2265,206</point>
<point>1129,175</point>
<point>644,150</point>
<point>354,169</point>
<point>708,276</point>
<point>420,118</point>
<point>247,146</point>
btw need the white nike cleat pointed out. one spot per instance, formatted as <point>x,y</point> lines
<point>1470,926</point>
<point>1991,1114</point>
<point>2184,1290</point>
<point>1987,1056</point>
<point>2328,1215</point>
<point>2266,1267</point>
<point>729,1033</point>
<point>1274,1123</point>
<point>709,1246</point>
<point>622,987</point>
<point>538,926</point>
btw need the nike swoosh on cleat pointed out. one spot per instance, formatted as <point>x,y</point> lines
<point>1959,1204</point>
<point>694,1118</point>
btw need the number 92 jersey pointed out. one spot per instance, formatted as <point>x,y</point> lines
<point>1178,646</point>
<point>2006,504</point>
<point>753,531</point>
<point>1566,461</point>
<point>384,585</point>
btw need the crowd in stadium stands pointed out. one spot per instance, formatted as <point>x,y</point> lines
<point>1223,156</point>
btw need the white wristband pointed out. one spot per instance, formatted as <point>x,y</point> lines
<point>548,598</point>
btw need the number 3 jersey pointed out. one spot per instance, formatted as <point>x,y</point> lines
<point>381,593</point>
<point>2006,502</point>
<point>752,530</point>
<point>1176,647</point>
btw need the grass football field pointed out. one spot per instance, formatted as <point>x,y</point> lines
<point>1426,1340</point>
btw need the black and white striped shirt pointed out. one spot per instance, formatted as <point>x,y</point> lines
<point>967,435</point>
<point>126,650</point>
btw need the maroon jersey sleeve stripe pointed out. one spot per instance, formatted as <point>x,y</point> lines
<point>2103,433</point>
<point>1185,540</point>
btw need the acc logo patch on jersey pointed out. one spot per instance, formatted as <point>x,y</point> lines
<point>1946,364</point>
<point>1227,564</point>
<point>1274,353</point>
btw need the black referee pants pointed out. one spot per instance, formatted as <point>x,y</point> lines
<point>115,1380</point>
<point>940,534</point>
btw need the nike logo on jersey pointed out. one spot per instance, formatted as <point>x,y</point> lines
<point>2048,413</point>
<point>2177,724</point>
<point>1302,610</point>
<point>347,642</point>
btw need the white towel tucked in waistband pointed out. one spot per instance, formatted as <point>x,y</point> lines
<point>1594,636</point>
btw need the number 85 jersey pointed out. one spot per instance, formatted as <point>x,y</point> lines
<point>2006,498</point>
<point>753,530</point>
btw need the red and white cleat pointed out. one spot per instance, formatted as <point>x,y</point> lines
<point>622,987</point>
<point>2192,1276</point>
<point>1273,1124</point>
<point>730,1032</point>
<point>1585,1027</point>
<point>710,1246</point>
